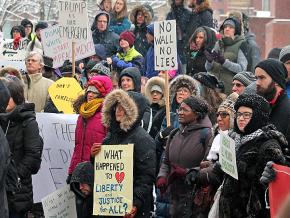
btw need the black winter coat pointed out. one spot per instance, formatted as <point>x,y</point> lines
<point>141,44</point>
<point>26,147</point>
<point>129,132</point>
<point>246,197</point>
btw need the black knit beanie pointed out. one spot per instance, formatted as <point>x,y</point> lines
<point>197,105</point>
<point>207,79</point>
<point>261,112</point>
<point>276,70</point>
<point>4,97</point>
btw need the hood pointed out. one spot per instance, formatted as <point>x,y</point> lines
<point>238,26</point>
<point>4,97</point>
<point>145,10</point>
<point>98,13</point>
<point>183,80</point>
<point>83,173</point>
<point>20,113</point>
<point>122,97</point>
<point>150,83</point>
<point>134,73</point>
<point>210,37</point>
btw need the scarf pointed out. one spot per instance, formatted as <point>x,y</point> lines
<point>240,140</point>
<point>88,109</point>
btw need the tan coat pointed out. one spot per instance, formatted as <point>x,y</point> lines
<point>36,90</point>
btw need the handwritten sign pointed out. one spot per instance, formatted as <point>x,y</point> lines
<point>74,26</point>
<point>58,133</point>
<point>227,156</point>
<point>54,46</point>
<point>165,51</point>
<point>113,188</point>
<point>19,65</point>
<point>60,204</point>
<point>63,92</point>
<point>7,51</point>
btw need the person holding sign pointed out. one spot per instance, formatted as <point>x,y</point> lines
<point>121,115</point>
<point>185,149</point>
<point>257,142</point>
<point>89,129</point>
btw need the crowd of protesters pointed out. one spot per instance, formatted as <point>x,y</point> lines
<point>221,86</point>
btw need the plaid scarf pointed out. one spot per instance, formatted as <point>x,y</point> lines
<point>240,140</point>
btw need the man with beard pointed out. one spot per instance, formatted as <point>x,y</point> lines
<point>271,77</point>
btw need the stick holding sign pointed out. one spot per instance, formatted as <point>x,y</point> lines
<point>165,54</point>
<point>113,188</point>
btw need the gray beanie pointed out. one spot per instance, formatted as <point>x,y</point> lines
<point>101,69</point>
<point>246,78</point>
<point>285,54</point>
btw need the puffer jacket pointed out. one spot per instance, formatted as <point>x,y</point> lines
<point>26,147</point>
<point>89,131</point>
<point>129,131</point>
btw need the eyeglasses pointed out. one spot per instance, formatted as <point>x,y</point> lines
<point>246,115</point>
<point>222,114</point>
<point>183,90</point>
<point>237,85</point>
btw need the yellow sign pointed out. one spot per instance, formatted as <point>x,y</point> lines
<point>63,93</point>
<point>113,188</point>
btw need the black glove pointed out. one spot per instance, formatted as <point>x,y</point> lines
<point>268,175</point>
<point>209,56</point>
<point>68,179</point>
<point>219,58</point>
<point>166,132</point>
<point>191,177</point>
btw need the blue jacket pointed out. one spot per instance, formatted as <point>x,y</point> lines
<point>119,26</point>
<point>288,89</point>
<point>149,69</point>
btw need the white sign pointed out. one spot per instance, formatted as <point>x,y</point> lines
<point>54,46</point>
<point>60,204</point>
<point>9,52</point>
<point>74,26</point>
<point>165,48</point>
<point>58,133</point>
<point>19,65</point>
<point>227,156</point>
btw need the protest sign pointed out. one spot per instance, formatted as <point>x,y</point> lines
<point>63,93</point>
<point>165,51</point>
<point>279,189</point>
<point>19,65</point>
<point>74,26</point>
<point>8,52</point>
<point>58,133</point>
<point>60,204</point>
<point>227,156</point>
<point>54,46</point>
<point>113,187</point>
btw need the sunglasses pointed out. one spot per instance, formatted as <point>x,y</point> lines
<point>222,114</point>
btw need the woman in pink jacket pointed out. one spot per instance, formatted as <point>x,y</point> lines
<point>89,129</point>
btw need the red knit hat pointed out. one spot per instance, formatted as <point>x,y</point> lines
<point>128,36</point>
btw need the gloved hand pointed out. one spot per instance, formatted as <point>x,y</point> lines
<point>176,172</point>
<point>132,213</point>
<point>95,149</point>
<point>268,174</point>
<point>191,177</point>
<point>166,132</point>
<point>68,179</point>
<point>161,184</point>
<point>219,58</point>
<point>115,60</point>
<point>123,64</point>
<point>209,56</point>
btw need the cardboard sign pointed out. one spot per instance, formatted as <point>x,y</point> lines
<point>60,204</point>
<point>54,46</point>
<point>63,93</point>
<point>165,47</point>
<point>279,189</point>
<point>227,156</point>
<point>58,133</point>
<point>74,26</point>
<point>113,187</point>
<point>7,52</point>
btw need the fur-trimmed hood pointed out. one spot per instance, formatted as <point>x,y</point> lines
<point>145,10</point>
<point>122,97</point>
<point>183,81</point>
<point>150,83</point>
